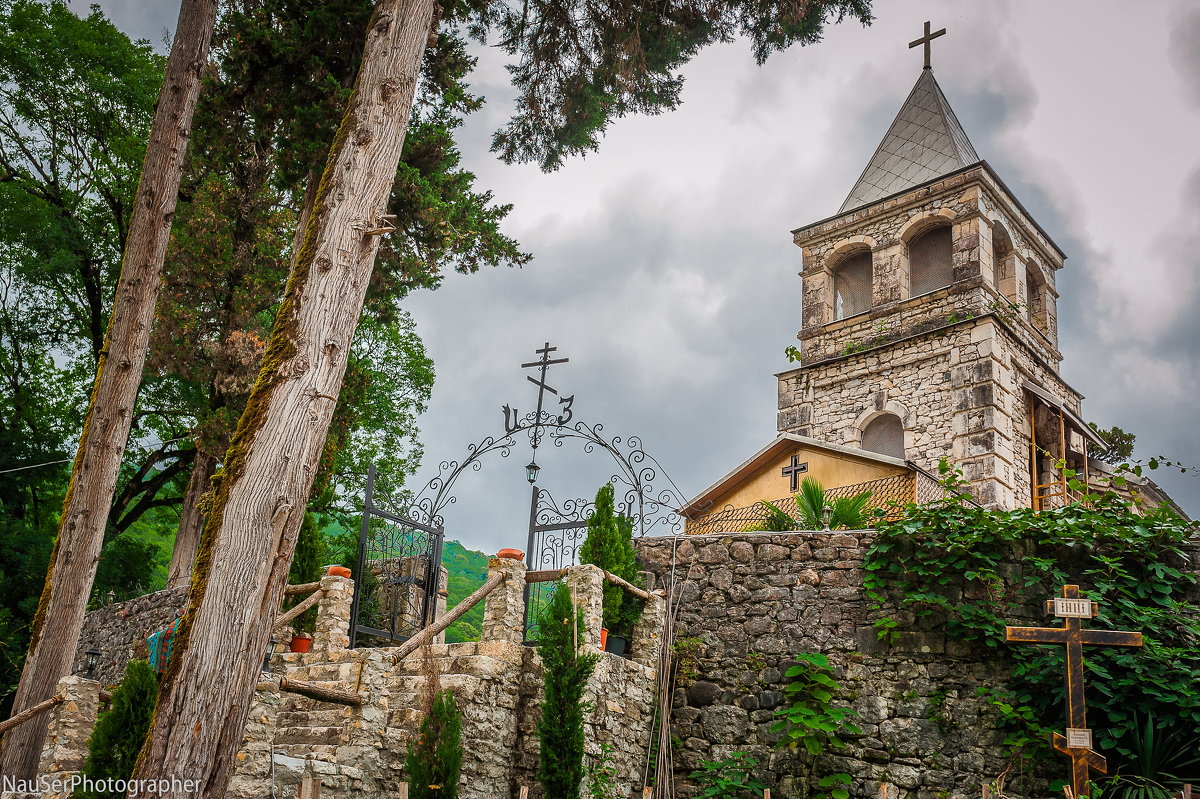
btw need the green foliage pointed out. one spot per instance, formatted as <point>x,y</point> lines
<point>466,570</point>
<point>565,676</point>
<point>976,571</point>
<point>686,653</point>
<point>433,760</point>
<point>578,68</point>
<point>1118,445</point>
<point>609,545</point>
<point>849,513</point>
<point>811,720</point>
<point>312,553</point>
<point>1164,756</point>
<point>120,731</point>
<point>731,778</point>
<point>602,775</point>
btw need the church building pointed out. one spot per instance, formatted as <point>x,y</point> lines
<point>929,330</point>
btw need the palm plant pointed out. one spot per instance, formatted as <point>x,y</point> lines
<point>1162,758</point>
<point>848,513</point>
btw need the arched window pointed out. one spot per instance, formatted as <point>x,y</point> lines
<point>1036,289</point>
<point>885,435</point>
<point>1001,251</point>
<point>852,285</point>
<point>930,263</point>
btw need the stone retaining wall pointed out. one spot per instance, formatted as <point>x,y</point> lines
<point>749,602</point>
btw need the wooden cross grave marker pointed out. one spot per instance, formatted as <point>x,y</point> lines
<point>1077,743</point>
<point>794,470</point>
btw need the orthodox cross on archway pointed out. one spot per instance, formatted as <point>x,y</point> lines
<point>794,470</point>
<point>512,415</point>
<point>1077,743</point>
<point>925,40</point>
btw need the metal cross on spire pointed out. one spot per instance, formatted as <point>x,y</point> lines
<point>925,40</point>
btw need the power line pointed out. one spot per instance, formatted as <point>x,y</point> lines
<point>34,466</point>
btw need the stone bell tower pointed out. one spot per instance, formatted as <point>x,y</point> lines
<point>929,328</point>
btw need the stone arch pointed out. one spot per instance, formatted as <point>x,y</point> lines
<point>888,409</point>
<point>922,222</point>
<point>884,435</point>
<point>1036,291</point>
<point>847,247</point>
<point>1004,259</point>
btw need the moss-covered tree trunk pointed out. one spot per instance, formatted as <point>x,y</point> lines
<point>250,533</point>
<point>59,618</point>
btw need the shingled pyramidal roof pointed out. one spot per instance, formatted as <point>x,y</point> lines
<point>924,142</point>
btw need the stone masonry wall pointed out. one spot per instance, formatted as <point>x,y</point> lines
<point>751,601</point>
<point>119,631</point>
<point>497,682</point>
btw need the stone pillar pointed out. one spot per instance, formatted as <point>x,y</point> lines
<point>647,641</point>
<point>71,723</point>
<point>439,601</point>
<point>333,614</point>
<point>504,608</point>
<point>586,584</point>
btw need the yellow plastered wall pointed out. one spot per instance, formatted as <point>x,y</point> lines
<point>830,469</point>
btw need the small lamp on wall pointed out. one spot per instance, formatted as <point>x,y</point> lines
<point>826,516</point>
<point>93,657</point>
<point>266,667</point>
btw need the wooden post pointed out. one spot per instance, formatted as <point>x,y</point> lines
<point>285,619</point>
<point>309,788</point>
<point>647,792</point>
<point>404,790</point>
<point>426,635</point>
<point>524,792</point>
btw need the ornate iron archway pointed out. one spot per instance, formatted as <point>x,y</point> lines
<point>408,535</point>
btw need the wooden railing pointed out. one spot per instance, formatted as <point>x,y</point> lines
<point>288,616</point>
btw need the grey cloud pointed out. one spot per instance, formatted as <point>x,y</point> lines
<point>1184,48</point>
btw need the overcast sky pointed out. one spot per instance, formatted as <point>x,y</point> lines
<point>664,267</point>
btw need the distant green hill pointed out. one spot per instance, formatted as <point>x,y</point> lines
<point>466,571</point>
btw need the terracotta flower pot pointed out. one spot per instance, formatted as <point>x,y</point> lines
<point>509,552</point>
<point>301,643</point>
<point>603,638</point>
<point>338,571</point>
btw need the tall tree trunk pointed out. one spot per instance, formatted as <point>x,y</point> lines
<point>59,618</point>
<point>250,534</point>
<point>191,520</point>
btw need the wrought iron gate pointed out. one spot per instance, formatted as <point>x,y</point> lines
<point>555,536</point>
<point>397,579</point>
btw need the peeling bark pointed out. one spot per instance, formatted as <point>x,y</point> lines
<point>59,617</point>
<point>260,495</point>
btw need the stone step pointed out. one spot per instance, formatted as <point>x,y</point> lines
<point>309,735</point>
<point>311,718</point>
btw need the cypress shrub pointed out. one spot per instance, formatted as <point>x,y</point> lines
<point>566,672</point>
<point>433,760</point>
<point>121,730</point>
<point>609,545</point>
<point>311,550</point>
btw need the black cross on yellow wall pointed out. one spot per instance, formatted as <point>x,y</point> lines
<point>1073,636</point>
<point>794,470</point>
